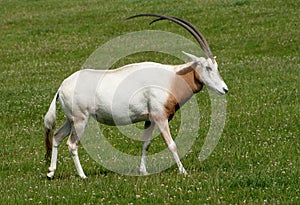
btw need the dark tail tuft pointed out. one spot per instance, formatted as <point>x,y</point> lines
<point>48,143</point>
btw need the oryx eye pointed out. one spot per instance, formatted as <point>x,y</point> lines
<point>208,68</point>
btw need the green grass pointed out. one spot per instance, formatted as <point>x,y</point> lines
<point>257,160</point>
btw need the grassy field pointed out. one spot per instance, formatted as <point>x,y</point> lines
<point>257,160</point>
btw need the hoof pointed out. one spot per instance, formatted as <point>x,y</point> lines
<point>184,173</point>
<point>144,173</point>
<point>50,175</point>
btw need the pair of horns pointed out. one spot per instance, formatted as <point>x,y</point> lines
<point>185,24</point>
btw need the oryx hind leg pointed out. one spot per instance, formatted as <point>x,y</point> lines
<point>58,137</point>
<point>78,128</point>
<point>148,130</point>
<point>163,126</point>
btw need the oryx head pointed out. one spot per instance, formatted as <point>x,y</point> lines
<point>206,67</point>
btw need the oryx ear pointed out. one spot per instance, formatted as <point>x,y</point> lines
<point>191,56</point>
<point>185,68</point>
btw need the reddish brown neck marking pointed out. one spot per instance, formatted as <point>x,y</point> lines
<point>182,89</point>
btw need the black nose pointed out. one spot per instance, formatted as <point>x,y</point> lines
<point>225,90</point>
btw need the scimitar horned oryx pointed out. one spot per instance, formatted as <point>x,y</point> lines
<point>150,92</point>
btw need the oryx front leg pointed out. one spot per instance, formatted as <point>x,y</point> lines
<point>148,130</point>
<point>58,137</point>
<point>76,134</point>
<point>163,126</point>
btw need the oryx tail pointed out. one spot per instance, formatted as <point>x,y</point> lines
<point>49,124</point>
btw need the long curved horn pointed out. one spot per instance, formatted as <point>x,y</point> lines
<point>199,34</point>
<point>187,25</point>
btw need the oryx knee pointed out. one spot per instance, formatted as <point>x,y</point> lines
<point>55,143</point>
<point>172,146</point>
<point>72,148</point>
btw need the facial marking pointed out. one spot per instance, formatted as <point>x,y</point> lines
<point>208,68</point>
